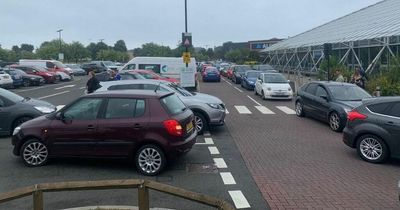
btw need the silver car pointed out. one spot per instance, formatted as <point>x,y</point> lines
<point>208,110</point>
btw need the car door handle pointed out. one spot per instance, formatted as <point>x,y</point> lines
<point>390,123</point>
<point>137,126</point>
<point>90,127</point>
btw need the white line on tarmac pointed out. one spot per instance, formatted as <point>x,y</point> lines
<point>243,110</point>
<point>238,89</point>
<point>264,110</point>
<point>254,100</point>
<point>227,178</point>
<point>208,141</point>
<point>66,86</point>
<point>213,150</point>
<point>226,111</point>
<point>286,109</point>
<point>81,88</point>
<point>55,94</point>
<point>220,163</point>
<point>228,82</point>
<point>238,199</point>
<point>207,133</point>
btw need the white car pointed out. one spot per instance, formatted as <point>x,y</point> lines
<point>6,80</point>
<point>63,76</point>
<point>273,86</point>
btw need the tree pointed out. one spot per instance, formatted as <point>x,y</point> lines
<point>152,49</point>
<point>233,56</point>
<point>27,47</point>
<point>15,48</point>
<point>120,46</point>
<point>112,55</point>
<point>50,49</point>
<point>76,52</point>
<point>92,48</point>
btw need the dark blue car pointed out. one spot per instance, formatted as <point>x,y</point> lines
<point>249,79</point>
<point>211,74</point>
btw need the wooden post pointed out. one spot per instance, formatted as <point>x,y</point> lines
<point>38,200</point>
<point>143,197</point>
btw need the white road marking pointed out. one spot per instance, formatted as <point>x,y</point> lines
<point>226,111</point>
<point>227,178</point>
<point>66,86</point>
<point>207,133</point>
<point>254,100</point>
<point>238,199</point>
<point>59,107</point>
<point>208,141</point>
<point>213,150</point>
<point>286,109</point>
<point>238,89</point>
<point>220,163</point>
<point>243,110</point>
<point>227,82</point>
<point>81,88</point>
<point>55,94</point>
<point>264,110</point>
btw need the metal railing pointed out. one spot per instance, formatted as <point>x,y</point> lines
<point>143,187</point>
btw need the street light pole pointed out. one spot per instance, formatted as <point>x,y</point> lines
<point>186,29</point>
<point>59,33</point>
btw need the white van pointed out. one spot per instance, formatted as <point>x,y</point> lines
<point>172,67</point>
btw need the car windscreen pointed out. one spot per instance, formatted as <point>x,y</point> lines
<point>10,95</point>
<point>108,63</point>
<point>173,104</point>
<point>179,89</point>
<point>211,70</point>
<point>73,66</point>
<point>20,72</point>
<point>243,68</point>
<point>274,78</point>
<point>59,64</point>
<point>253,74</point>
<point>348,93</point>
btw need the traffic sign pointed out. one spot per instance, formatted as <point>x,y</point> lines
<point>186,57</point>
<point>186,39</point>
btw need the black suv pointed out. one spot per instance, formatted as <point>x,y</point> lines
<point>96,67</point>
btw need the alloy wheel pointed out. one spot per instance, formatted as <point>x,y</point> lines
<point>199,123</point>
<point>150,160</point>
<point>299,109</point>
<point>334,121</point>
<point>371,148</point>
<point>35,153</point>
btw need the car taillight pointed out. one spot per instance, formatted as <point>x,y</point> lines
<point>173,127</point>
<point>354,115</point>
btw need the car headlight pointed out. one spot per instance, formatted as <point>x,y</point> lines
<point>44,109</point>
<point>215,106</point>
<point>32,78</point>
<point>269,89</point>
<point>16,130</point>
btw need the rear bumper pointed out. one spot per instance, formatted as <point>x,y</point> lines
<point>178,148</point>
<point>349,137</point>
<point>211,78</point>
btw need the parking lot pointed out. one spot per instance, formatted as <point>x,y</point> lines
<point>264,157</point>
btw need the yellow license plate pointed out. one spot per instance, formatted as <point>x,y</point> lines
<point>189,126</point>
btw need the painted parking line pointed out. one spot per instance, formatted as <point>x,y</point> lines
<point>243,110</point>
<point>55,94</point>
<point>81,88</point>
<point>286,109</point>
<point>227,82</point>
<point>66,86</point>
<point>238,89</point>
<point>207,133</point>
<point>226,111</point>
<point>256,102</point>
<point>213,150</point>
<point>220,163</point>
<point>264,110</point>
<point>227,178</point>
<point>208,141</point>
<point>238,199</point>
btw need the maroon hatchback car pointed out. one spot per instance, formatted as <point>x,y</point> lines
<point>150,127</point>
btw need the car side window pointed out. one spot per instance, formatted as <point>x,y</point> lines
<point>395,110</point>
<point>49,65</point>
<point>126,87</point>
<point>311,88</point>
<point>124,108</point>
<point>321,92</point>
<point>381,108</point>
<point>84,109</point>
<point>130,67</point>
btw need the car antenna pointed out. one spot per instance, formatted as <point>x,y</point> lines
<point>158,86</point>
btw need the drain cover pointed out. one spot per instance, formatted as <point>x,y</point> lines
<point>206,168</point>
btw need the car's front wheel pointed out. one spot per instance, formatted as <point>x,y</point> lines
<point>335,123</point>
<point>372,149</point>
<point>200,122</point>
<point>299,109</point>
<point>150,160</point>
<point>34,153</point>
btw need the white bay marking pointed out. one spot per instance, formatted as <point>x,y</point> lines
<point>227,178</point>
<point>208,141</point>
<point>264,110</point>
<point>254,101</point>
<point>226,111</point>
<point>286,109</point>
<point>213,150</point>
<point>55,94</point>
<point>220,163</point>
<point>238,199</point>
<point>66,86</point>
<point>238,89</point>
<point>81,88</point>
<point>243,110</point>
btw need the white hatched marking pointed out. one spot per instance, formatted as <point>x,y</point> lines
<point>227,178</point>
<point>264,110</point>
<point>220,163</point>
<point>238,89</point>
<point>254,101</point>
<point>214,150</point>
<point>66,86</point>
<point>226,111</point>
<point>55,94</point>
<point>286,109</point>
<point>208,141</point>
<point>238,199</point>
<point>243,110</point>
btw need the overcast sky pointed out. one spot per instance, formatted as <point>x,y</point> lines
<point>211,22</point>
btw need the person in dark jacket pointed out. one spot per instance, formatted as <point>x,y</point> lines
<point>92,84</point>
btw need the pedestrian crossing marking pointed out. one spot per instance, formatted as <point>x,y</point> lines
<point>243,110</point>
<point>264,110</point>
<point>286,109</point>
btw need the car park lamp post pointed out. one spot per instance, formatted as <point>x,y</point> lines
<point>60,55</point>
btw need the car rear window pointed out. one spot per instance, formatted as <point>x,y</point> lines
<point>382,108</point>
<point>173,104</point>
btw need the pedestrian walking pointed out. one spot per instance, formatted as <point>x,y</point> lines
<point>339,76</point>
<point>92,84</point>
<point>357,78</point>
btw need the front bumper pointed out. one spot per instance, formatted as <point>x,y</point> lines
<point>6,84</point>
<point>278,95</point>
<point>217,117</point>
<point>349,137</point>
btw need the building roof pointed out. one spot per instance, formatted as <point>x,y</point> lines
<point>379,20</point>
